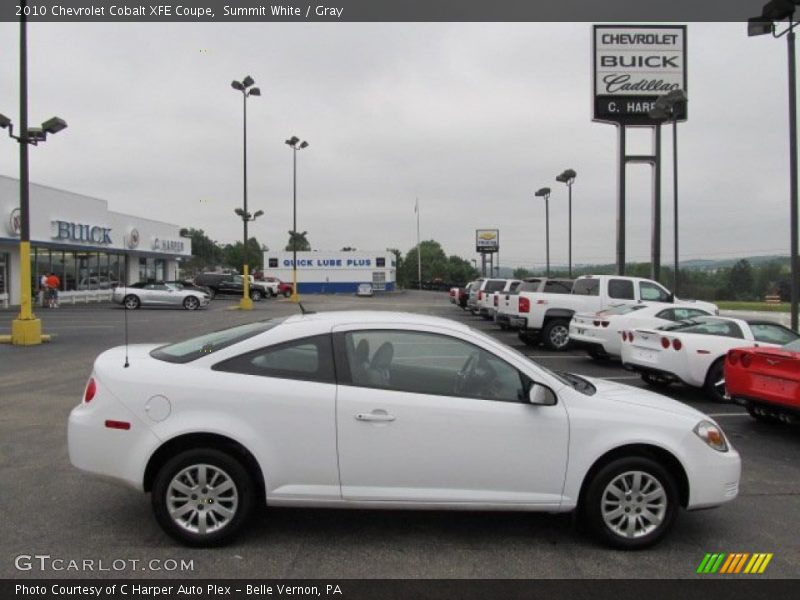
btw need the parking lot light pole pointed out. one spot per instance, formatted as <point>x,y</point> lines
<point>668,107</point>
<point>779,10</point>
<point>244,86</point>
<point>568,177</point>
<point>292,142</point>
<point>545,193</point>
<point>26,329</point>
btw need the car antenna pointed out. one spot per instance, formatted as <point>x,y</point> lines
<point>304,310</point>
<point>125,310</point>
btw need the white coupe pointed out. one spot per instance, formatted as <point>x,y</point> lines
<point>693,352</point>
<point>600,334</point>
<point>388,410</point>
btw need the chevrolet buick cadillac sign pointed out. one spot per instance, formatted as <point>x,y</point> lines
<point>634,65</point>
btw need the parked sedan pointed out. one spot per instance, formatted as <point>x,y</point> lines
<point>158,294</point>
<point>418,412</point>
<point>693,352</point>
<point>600,334</point>
<point>766,381</point>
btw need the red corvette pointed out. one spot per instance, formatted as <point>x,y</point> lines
<point>766,381</point>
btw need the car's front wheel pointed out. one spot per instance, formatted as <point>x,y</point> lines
<point>631,503</point>
<point>203,497</point>
<point>191,303</point>
<point>131,302</point>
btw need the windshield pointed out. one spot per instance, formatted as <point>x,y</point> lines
<point>194,348</point>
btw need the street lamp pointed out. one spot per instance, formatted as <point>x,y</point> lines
<point>779,10</point>
<point>568,177</point>
<point>670,106</point>
<point>545,193</point>
<point>26,329</point>
<point>244,86</point>
<point>292,142</point>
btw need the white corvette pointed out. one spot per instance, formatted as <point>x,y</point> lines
<point>388,410</point>
<point>693,352</point>
<point>600,334</point>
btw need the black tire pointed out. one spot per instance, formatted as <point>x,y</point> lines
<point>131,302</point>
<point>596,354</point>
<point>715,382</point>
<point>526,338</point>
<point>191,303</point>
<point>256,296</point>
<point>212,293</point>
<point>286,293</point>
<point>655,380</point>
<point>243,488</point>
<point>555,335</point>
<point>598,497</point>
<point>762,417</point>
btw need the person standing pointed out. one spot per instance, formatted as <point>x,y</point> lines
<point>43,291</point>
<point>53,283</point>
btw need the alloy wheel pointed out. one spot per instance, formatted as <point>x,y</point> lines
<point>202,499</point>
<point>634,504</point>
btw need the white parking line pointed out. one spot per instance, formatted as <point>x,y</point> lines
<point>620,377</point>
<point>744,414</point>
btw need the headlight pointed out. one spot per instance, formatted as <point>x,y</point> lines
<point>712,435</point>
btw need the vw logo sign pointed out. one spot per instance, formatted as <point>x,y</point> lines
<point>133,238</point>
<point>15,222</point>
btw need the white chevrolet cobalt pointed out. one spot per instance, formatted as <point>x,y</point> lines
<point>388,410</point>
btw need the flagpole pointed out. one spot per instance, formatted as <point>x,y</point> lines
<point>419,248</point>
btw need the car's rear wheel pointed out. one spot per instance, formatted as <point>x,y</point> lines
<point>191,303</point>
<point>631,503</point>
<point>556,334</point>
<point>131,302</point>
<point>203,497</point>
<point>715,382</point>
<point>212,293</point>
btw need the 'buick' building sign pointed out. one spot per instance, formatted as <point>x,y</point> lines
<point>79,232</point>
<point>634,65</point>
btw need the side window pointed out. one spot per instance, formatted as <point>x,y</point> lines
<point>772,334</point>
<point>558,287</point>
<point>670,314</point>
<point>620,289</point>
<point>684,314</point>
<point>586,287</point>
<point>307,359</point>
<point>514,287</point>
<point>650,292</point>
<point>380,261</point>
<point>427,363</point>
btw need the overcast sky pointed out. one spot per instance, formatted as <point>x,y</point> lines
<point>470,118</point>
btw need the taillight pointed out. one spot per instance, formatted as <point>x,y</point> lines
<point>733,357</point>
<point>746,360</point>
<point>91,390</point>
<point>676,344</point>
<point>524,305</point>
<point>624,336</point>
<point>596,323</point>
<point>480,295</point>
<point>495,300</point>
<point>664,343</point>
<point>604,323</point>
<point>630,337</point>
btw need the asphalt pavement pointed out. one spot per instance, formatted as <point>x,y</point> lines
<point>50,508</point>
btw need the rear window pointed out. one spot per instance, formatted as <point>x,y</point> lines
<point>495,285</point>
<point>623,309</point>
<point>194,348</point>
<point>586,287</point>
<point>529,286</point>
<point>707,326</point>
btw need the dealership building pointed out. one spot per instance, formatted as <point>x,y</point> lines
<point>334,272</point>
<point>89,247</point>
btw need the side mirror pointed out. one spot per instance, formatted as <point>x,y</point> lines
<point>671,298</point>
<point>541,395</point>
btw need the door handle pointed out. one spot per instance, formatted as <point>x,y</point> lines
<point>379,417</point>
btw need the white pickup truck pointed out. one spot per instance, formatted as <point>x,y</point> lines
<point>508,302</point>
<point>548,315</point>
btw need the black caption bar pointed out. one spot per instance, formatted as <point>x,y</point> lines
<point>618,11</point>
<point>434,589</point>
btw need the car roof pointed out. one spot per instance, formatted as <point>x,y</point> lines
<point>366,317</point>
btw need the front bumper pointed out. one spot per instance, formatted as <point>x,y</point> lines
<point>715,480</point>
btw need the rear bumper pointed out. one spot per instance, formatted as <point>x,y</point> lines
<point>653,371</point>
<point>518,322</point>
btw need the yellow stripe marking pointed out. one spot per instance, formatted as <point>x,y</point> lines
<point>765,563</point>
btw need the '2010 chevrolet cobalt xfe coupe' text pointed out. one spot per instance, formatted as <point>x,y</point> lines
<point>388,410</point>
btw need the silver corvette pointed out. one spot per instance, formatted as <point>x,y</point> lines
<point>158,294</point>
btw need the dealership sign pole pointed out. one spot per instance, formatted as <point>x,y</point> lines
<point>634,65</point>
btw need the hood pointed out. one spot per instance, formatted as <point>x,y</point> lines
<point>627,394</point>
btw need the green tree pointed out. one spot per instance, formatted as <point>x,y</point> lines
<point>233,255</point>
<point>521,273</point>
<point>398,258</point>
<point>436,266</point>
<point>206,253</point>
<point>298,241</point>
<point>740,281</point>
